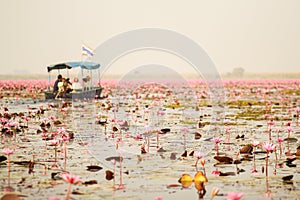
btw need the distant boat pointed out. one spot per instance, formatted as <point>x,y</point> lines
<point>86,92</point>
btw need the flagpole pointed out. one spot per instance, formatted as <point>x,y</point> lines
<point>81,64</point>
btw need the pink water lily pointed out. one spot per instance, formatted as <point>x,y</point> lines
<point>198,154</point>
<point>255,143</point>
<point>61,130</point>
<point>216,140</point>
<point>268,147</point>
<point>8,151</point>
<point>71,178</point>
<point>280,139</point>
<point>234,195</point>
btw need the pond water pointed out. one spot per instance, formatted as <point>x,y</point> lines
<point>152,137</point>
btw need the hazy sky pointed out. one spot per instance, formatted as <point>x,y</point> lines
<point>258,35</point>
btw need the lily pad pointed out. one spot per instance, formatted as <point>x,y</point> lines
<point>94,168</point>
<point>224,159</point>
<point>291,139</point>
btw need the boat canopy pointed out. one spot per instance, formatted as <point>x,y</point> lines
<point>68,65</point>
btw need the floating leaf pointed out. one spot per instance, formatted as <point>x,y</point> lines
<point>240,136</point>
<point>56,176</point>
<point>224,159</point>
<point>57,122</point>
<point>173,156</point>
<point>109,175</point>
<point>173,185</point>
<point>197,135</point>
<point>288,178</point>
<point>246,149</point>
<point>161,150</point>
<point>2,158</point>
<point>184,154</point>
<point>165,130</point>
<point>116,158</point>
<point>290,139</point>
<point>143,150</point>
<point>186,180</point>
<point>115,129</point>
<point>91,182</point>
<point>200,177</point>
<point>227,174</point>
<point>94,168</point>
<point>10,196</point>
<point>77,192</point>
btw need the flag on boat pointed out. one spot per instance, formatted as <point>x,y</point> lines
<point>87,51</point>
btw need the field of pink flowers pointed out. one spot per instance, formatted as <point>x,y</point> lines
<point>152,141</point>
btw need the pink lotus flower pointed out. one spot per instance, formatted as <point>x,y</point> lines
<point>137,137</point>
<point>198,154</point>
<point>267,116</point>
<point>61,130</point>
<point>113,161</point>
<point>280,140</point>
<point>71,178</point>
<point>254,171</point>
<point>234,195</point>
<point>52,118</point>
<point>279,165</point>
<point>160,112</point>
<point>216,140</point>
<point>26,118</point>
<point>54,134</point>
<point>64,138</point>
<point>54,142</point>
<point>185,129</point>
<point>289,129</point>
<point>13,124</point>
<point>227,121</point>
<point>269,147</point>
<point>255,143</point>
<point>45,120</point>
<point>216,172</point>
<point>228,128</point>
<point>8,151</point>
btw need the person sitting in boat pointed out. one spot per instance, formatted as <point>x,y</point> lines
<point>68,85</point>
<point>55,86</point>
<point>87,83</point>
<point>76,86</point>
<point>61,88</point>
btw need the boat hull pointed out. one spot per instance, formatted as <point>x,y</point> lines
<point>87,94</point>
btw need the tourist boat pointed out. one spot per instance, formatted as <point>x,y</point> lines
<point>86,92</point>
